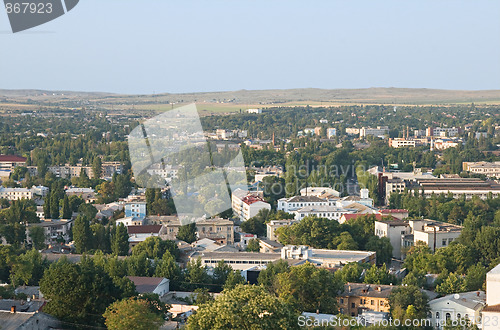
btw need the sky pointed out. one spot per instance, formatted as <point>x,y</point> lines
<point>155,46</point>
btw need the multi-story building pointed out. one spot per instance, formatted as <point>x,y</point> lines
<point>273,225</point>
<point>16,193</point>
<point>297,202</point>
<point>359,297</point>
<point>73,171</point>
<point>256,111</point>
<point>323,211</point>
<point>489,169</point>
<point>87,194</point>
<point>135,209</point>
<point>394,230</point>
<point>54,230</point>
<point>246,205</point>
<point>435,234</point>
<point>9,162</point>
<point>402,143</point>
<point>380,131</point>
<point>442,131</point>
<point>458,187</point>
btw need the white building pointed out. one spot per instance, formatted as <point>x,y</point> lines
<point>322,211</point>
<point>246,205</point>
<point>380,131</point>
<point>489,169</point>
<point>130,221</point>
<point>491,312</point>
<point>297,202</point>
<point>464,306</point>
<point>434,233</point>
<point>394,230</point>
<point>321,192</point>
<point>401,143</point>
<point>257,111</point>
<point>331,132</point>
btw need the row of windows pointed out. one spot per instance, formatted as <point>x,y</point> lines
<point>252,262</point>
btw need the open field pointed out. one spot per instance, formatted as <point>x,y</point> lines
<point>234,101</point>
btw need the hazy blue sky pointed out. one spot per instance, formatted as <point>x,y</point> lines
<point>186,46</point>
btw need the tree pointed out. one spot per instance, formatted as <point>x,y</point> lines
<point>131,314</point>
<point>37,235</point>
<point>376,275</point>
<point>78,293</point>
<point>196,274</point>
<point>187,233</point>
<point>404,296</point>
<point>28,269</point>
<point>66,210</point>
<point>155,247</point>
<point>309,288</point>
<point>97,167</point>
<point>453,283</point>
<point>82,234</point>
<point>54,204</point>
<point>253,245</point>
<point>352,272</point>
<point>46,208</point>
<point>221,273</point>
<point>119,245</point>
<point>244,307</point>
<point>383,247</point>
<point>168,268</point>
<point>233,279</point>
<point>267,276</point>
<point>475,278</point>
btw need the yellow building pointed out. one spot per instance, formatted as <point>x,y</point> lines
<point>359,297</point>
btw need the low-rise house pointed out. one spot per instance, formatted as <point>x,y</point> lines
<point>359,297</point>
<point>138,234</point>
<point>130,221</point>
<point>218,229</point>
<point>267,245</point>
<point>455,307</point>
<point>394,230</point>
<point>435,234</point>
<point>144,284</point>
<point>9,162</point>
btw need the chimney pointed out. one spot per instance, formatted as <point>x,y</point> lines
<point>379,288</point>
<point>13,309</point>
<point>349,288</point>
<point>477,293</point>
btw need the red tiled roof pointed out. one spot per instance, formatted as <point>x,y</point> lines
<point>355,215</point>
<point>12,158</point>
<point>394,211</point>
<point>144,284</point>
<point>144,229</point>
<point>251,199</point>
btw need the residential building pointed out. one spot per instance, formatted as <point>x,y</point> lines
<point>256,111</point>
<point>144,284</point>
<point>267,246</point>
<point>489,169</point>
<point>9,162</point>
<point>273,225</point>
<point>54,230</point>
<point>246,205</point>
<point>380,131</point>
<point>138,234</point>
<point>297,202</point>
<point>359,297</point>
<point>16,193</point>
<point>394,230</point>
<point>167,172</point>
<point>331,133</point>
<point>73,171</point>
<point>87,194</point>
<point>130,221</point>
<point>466,306</point>
<point>135,209</point>
<point>442,131</point>
<point>492,310</point>
<point>435,234</point>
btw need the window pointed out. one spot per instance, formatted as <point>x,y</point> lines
<point>437,315</point>
<point>448,316</point>
<point>372,302</point>
<point>458,315</point>
<point>353,305</point>
<point>444,242</point>
<point>381,303</point>
<point>341,300</point>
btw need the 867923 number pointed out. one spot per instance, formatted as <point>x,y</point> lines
<point>28,7</point>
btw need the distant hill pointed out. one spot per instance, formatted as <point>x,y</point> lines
<point>364,95</point>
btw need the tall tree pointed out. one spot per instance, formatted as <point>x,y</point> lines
<point>119,245</point>
<point>131,314</point>
<point>37,235</point>
<point>66,209</point>
<point>187,233</point>
<point>97,167</point>
<point>82,234</point>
